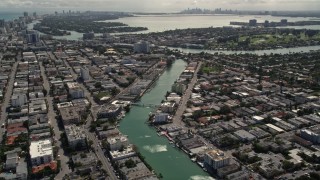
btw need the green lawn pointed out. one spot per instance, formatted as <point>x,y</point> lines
<point>269,39</point>
<point>210,69</point>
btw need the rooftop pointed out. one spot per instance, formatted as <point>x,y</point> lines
<point>216,155</point>
<point>74,132</point>
<point>40,148</point>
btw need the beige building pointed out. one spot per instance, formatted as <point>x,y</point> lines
<point>216,159</point>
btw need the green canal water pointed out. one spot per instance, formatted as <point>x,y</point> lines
<point>172,163</point>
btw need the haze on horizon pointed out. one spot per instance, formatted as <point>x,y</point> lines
<point>157,5</point>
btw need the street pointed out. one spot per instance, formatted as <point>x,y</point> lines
<point>54,124</point>
<point>7,98</point>
<point>91,136</point>
<point>184,99</point>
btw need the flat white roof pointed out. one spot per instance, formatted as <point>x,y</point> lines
<point>40,148</point>
<point>275,127</point>
<point>257,118</point>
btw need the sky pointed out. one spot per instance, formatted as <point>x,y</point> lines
<point>157,5</point>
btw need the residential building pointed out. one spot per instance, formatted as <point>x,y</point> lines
<point>18,100</point>
<point>142,47</point>
<point>127,152</point>
<point>111,111</point>
<point>244,135</point>
<point>168,107</point>
<point>161,117</point>
<point>136,90</point>
<point>216,159</point>
<point>84,74</point>
<point>75,91</point>
<point>70,115</point>
<point>179,87</point>
<point>32,37</point>
<point>76,136</point>
<point>41,152</point>
<point>117,143</point>
<point>312,135</point>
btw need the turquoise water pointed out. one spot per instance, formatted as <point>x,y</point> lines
<point>172,163</point>
<point>8,16</point>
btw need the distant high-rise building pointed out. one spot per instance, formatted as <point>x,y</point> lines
<point>1,22</point>
<point>252,22</point>
<point>84,74</point>
<point>142,47</point>
<point>34,14</point>
<point>25,14</point>
<point>88,36</point>
<point>283,22</point>
<point>32,36</point>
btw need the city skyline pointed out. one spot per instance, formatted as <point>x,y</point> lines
<point>158,6</point>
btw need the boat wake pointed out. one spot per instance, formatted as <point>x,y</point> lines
<point>199,177</point>
<point>155,148</point>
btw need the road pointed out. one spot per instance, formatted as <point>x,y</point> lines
<point>100,154</point>
<point>184,99</point>
<point>87,94</point>
<point>54,124</point>
<point>7,97</point>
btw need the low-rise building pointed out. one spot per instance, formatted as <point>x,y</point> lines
<point>244,135</point>
<point>179,87</point>
<point>41,152</point>
<point>75,91</point>
<point>18,100</point>
<point>312,134</point>
<point>76,136</point>
<point>111,111</point>
<point>161,118</point>
<point>70,115</point>
<point>168,107</point>
<point>117,143</point>
<point>216,159</point>
<point>118,155</point>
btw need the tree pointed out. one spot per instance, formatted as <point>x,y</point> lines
<point>90,142</point>
<point>114,91</point>
<point>127,108</point>
<point>45,92</point>
<point>225,109</point>
<point>130,163</point>
<point>287,165</point>
<point>120,73</point>
<point>98,85</point>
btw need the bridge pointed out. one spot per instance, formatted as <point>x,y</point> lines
<point>145,105</point>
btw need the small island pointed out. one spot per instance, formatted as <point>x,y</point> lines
<point>60,24</point>
<point>234,38</point>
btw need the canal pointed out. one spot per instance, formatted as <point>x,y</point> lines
<point>165,159</point>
